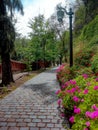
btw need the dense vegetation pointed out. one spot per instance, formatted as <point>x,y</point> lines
<point>79,84</point>
<point>46,43</point>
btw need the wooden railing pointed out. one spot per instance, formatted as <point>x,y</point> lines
<point>16,66</point>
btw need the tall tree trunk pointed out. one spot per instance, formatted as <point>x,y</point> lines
<point>5,54</point>
<point>7,76</point>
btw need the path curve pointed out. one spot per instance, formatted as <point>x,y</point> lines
<point>32,106</point>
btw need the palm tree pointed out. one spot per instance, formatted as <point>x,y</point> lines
<point>7,36</point>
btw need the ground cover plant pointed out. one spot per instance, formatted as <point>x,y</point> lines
<point>78,100</point>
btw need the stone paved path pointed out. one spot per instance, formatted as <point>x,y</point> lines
<point>32,106</point>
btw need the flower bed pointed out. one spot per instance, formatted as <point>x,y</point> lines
<point>78,98</point>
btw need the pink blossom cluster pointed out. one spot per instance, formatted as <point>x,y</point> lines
<point>95,87</point>
<point>73,90</point>
<point>92,115</point>
<point>77,110</point>
<point>94,107</point>
<point>97,79</point>
<point>65,85</point>
<point>73,82</point>
<point>58,91</point>
<point>72,119</point>
<point>59,102</point>
<point>87,123</point>
<point>85,91</point>
<point>76,99</point>
<point>60,68</point>
<point>85,76</point>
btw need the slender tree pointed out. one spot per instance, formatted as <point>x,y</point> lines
<point>7,36</point>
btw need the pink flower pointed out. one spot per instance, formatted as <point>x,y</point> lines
<point>85,91</point>
<point>76,99</point>
<point>96,79</point>
<point>73,82</point>
<point>94,107</point>
<point>94,115</point>
<point>68,91</point>
<point>79,90</point>
<point>87,114</point>
<point>85,128</point>
<point>60,68</point>
<point>73,90</point>
<point>77,110</point>
<point>67,83</point>
<point>82,100</point>
<point>71,119</point>
<point>87,123</point>
<point>85,76</point>
<point>58,91</point>
<point>77,87</point>
<point>62,115</point>
<point>75,107</point>
<point>63,86</point>
<point>88,84</point>
<point>95,87</point>
<point>59,101</point>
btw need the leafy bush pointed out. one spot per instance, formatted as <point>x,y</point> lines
<point>94,64</point>
<point>86,70</point>
<point>84,56</point>
<point>64,73</point>
<point>80,97</point>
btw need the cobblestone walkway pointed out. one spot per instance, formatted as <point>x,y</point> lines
<point>32,106</point>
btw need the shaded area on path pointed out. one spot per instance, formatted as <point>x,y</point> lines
<point>43,91</point>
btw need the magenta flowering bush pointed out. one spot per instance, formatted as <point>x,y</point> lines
<point>79,99</point>
<point>65,73</point>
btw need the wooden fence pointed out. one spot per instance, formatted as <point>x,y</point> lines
<point>19,66</point>
<point>16,66</point>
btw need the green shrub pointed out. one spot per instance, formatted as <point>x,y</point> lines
<point>83,57</point>
<point>64,73</point>
<point>80,96</point>
<point>94,64</point>
<point>90,30</point>
<point>86,70</point>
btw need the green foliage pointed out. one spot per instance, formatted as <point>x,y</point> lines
<point>79,19</point>
<point>94,64</point>
<point>84,56</point>
<point>21,49</point>
<point>83,70</point>
<point>90,30</point>
<point>90,9</point>
<point>94,41</point>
